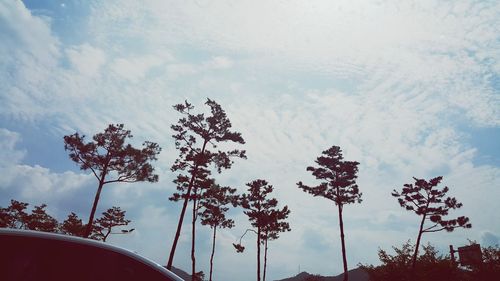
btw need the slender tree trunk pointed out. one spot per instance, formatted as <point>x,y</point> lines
<point>193,241</point>
<point>344,257</point>
<point>88,228</point>
<point>258,253</point>
<point>265,259</point>
<point>417,244</point>
<point>183,211</point>
<point>213,252</point>
<point>102,178</point>
<point>106,235</point>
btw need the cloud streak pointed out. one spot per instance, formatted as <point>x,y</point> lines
<point>395,85</point>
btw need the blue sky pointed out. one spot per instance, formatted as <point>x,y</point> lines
<point>406,88</point>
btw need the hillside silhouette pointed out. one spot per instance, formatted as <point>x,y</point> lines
<point>357,274</point>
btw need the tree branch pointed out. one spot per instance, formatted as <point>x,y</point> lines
<point>84,162</point>
<point>435,230</point>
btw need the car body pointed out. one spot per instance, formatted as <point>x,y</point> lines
<point>27,255</point>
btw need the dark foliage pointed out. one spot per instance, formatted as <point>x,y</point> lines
<point>41,221</point>
<point>264,215</point>
<point>103,226</point>
<point>428,201</point>
<point>432,266</point>
<point>15,216</point>
<point>274,224</point>
<point>489,270</point>
<point>239,248</point>
<point>107,155</point>
<point>72,226</point>
<point>338,183</point>
<point>195,136</point>
<point>338,178</point>
<point>214,205</point>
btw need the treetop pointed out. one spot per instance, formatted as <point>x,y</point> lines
<point>107,152</point>
<point>338,178</point>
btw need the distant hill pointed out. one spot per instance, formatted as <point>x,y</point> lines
<point>357,274</point>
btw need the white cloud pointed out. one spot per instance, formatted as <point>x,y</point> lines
<point>36,184</point>
<point>220,62</point>
<point>389,82</point>
<point>409,43</point>
<point>29,55</point>
<point>135,69</point>
<point>10,154</point>
<point>86,59</point>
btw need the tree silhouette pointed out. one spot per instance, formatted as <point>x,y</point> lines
<point>14,216</point>
<point>108,155</point>
<point>104,225</point>
<point>338,184</point>
<point>427,201</point>
<point>489,270</point>
<point>41,221</point>
<point>213,208</point>
<point>274,225</point>
<point>200,184</point>
<point>72,226</point>
<point>263,214</point>
<point>194,133</point>
<point>432,265</point>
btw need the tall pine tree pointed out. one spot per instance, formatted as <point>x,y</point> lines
<point>111,160</point>
<point>195,136</point>
<point>338,184</point>
<point>426,200</point>
<point>214,205</point>
<point>264,215</point>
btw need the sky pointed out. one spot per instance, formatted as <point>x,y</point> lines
<point>406,88</point>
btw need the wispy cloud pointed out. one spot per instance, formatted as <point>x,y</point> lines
<point>395,84</point>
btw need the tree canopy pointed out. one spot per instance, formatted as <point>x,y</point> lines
<point>113,217</point>
<point>111,160</point>
<point>428,201</point>
<point>264,215</point>
<point>197,137</point>
<point>338,184</point>
<point>16,216</point>
<point>337,176</point>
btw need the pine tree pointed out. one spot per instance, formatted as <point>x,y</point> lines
<point>15,215</point>
<point>274,224</point>
<point>72,226</point>
<point>108,155</point>
<point>103,226</point>
<point>41,221</point>
<point>263,214</point>
<point>338,184</point>
<point>195,135</point>
<point>214,205</point>
<point>427,201</point>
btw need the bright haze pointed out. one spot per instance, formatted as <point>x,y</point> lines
<point>406,88</point>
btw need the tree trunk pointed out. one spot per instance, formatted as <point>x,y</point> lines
<point>265,259</point>
<point>417,244</point>
<point>344,257</point>
<point>213,252</point>
<point>88,229</point>
<point>102,178</point>
<point>258,253</point>
<point>193,241</point>
<point>105,236</point>
<point>183,211</point>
